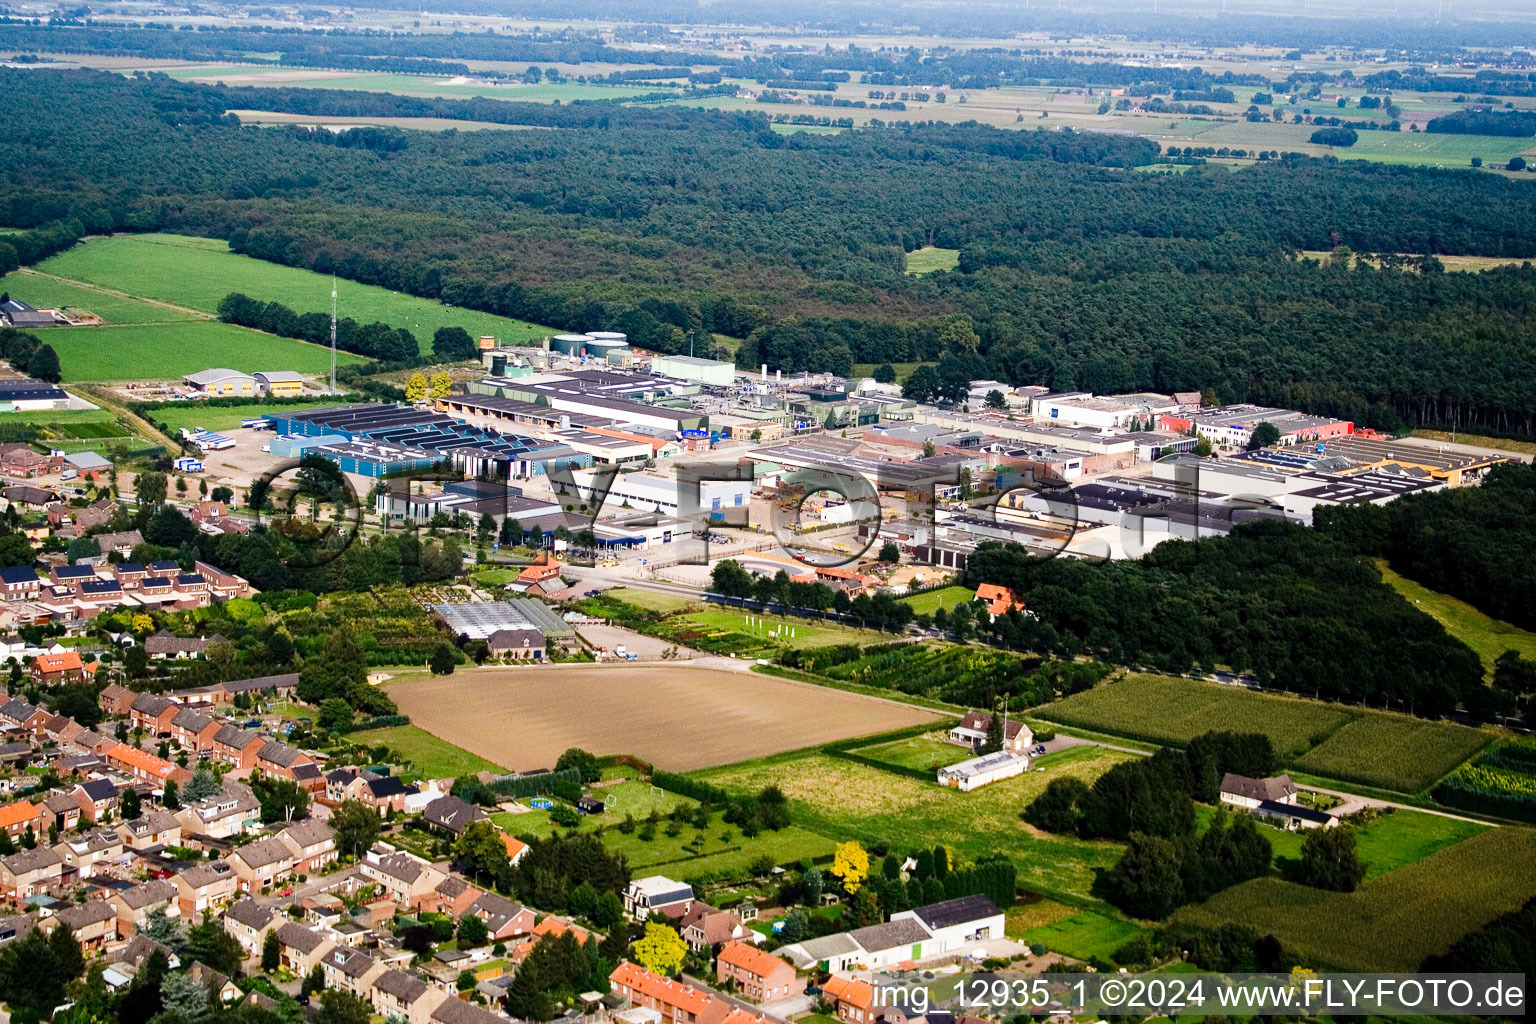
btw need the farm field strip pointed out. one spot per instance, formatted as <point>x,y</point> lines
<point>1488,636</point>
<point>1373,748</point>
<point>431,757</point>
<point>167,351</point>
<point>523,718</point>
<point>199,272</point>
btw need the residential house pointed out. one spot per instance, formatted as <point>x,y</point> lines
<point>677,1003</point>
<point>236,746</point>
<point>854,1000</point>
<point>152,829</point>
<point>23,715</point>
<point>61,810</point>
<point>136,904</point>
<point>704,927</point>
<point>892,943</point>
<point>20,583</point>
<point>517,644</point>
<point>194,730</point>
<point>548,926</point>
<point>516,848</point>
<point>404,878</point>
<point>116,700</point>
<point>757,975</point>
<point>249,922</point>
<point>219,988</point>
<point>300,948</point>
<point>453,897</point>
<point>1241,791</point>
<point>152,713</point>
<point>17,818</point>
<point>119,543</point>
<point>205,886</point>
<point>62,729</point>
<point>94,923</point>
<point>262,863</point>
<point>654,892</point>
<point>312,845</point>
<point>145,766</point>
<point>998,600</point>
<point>451,815</point>
<point>280,759</point>
<point>350,970</point>
<point>971,731</point>
<point>227,813</point>
<point>397,993</point>
<point>96,798</point>
<point>458,1011</point>
<point>279,685</point>
<point>382,793</point>
<point>64,667</point>
<point>164,645</point>
<point>29,872</point>
<point>504,919</point>
<point>85,852</point>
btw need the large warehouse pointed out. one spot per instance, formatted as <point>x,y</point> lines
<point>28,394</point>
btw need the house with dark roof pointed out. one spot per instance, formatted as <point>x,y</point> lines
<point>1242,791</point>
<point>971,732</point>
<point>29,872</point>
<point>235,746</point>
<point>205,886</point>
<point>280,759</point>
<point>94,923</point>
<point>451,815</point>
<point>249,922</point>
<point>96,797</point>
<point>655,892</point>
<point>165,645</point>
<point>504,918</point>
<point>262,863</point>
<point>382,792</point>
<point>397,993</point>
<point>135,904</point>
<point>152,713</point>
<point>300,948</point>
<point>312,844</point>
<point>20,583</point>
<point>404,878</point>
<point>1293,816</point>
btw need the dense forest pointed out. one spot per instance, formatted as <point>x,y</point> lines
<point>1075,270</point>
<point>1265,600</point>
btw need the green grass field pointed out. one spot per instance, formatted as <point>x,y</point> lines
<point>758,639</point>
<point>1488,636</point>
<point>198,272</point>
<point>842,800</point>
<point>430,757</point>
<point>924,753</point>
<point>719,851</point>
<point>46,293</point>
<point>1435,150</point>
<point>650,600</point>
<point>903,370</point>
<point>931,601</point>
<point>219,417</point>
<point>809,129</point>
<point>1394,921</point>
<point>1085,935</point>
<point>168,351</point>
<point>930,258</point>
<point>1391,840</point>
<point>1374,748</point>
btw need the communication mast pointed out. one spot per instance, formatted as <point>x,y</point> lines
<point>333,334</point>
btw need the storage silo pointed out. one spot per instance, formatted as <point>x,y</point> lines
<point>606,345</point>
<point>569,344</point>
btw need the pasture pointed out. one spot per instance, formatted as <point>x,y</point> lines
<point>1086,935</point>
<point>844,799</point>
<point>523,718</point>
<point>170,350</point>
<point>1373,748</point>
<point>429,756</point>
<point>725,631</point>
<point>1488,636</point>
<point>1394,921</point>
<point>931,601</point>
<point>931,258</point>
<point>199,272</point>
<point>923,753</point>
<point>650,600</point>
<point>1387,842</point>
<point>50,293</point>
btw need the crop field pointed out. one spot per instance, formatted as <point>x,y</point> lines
<point>1374,748</point>
<point>1394,921</point>
<point>1435,150</point>
<point>650,600</point>
<point>416,85</point>
<point>1502,781</point>
<point>430,757</point>
<point>199,272</point>
<point>1086,935</point>
<point>166,351</point>
<point>841,800</point>
<point>931,601</point>
<point>724,631</point>
<point>1488,636</point>
<point>1392,751</point>
<point>719,851</point>
<point>1165,710</point>
<point>523,718</point>
<point>930,258</point>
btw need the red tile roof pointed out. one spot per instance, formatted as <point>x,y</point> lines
<point>750,958</point>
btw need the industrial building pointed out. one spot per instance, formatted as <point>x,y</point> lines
<point>28,394</point>
<point>702,371</point>
<point>279,383</point>
<point>648,492</point>
<point>1232,425</point>
<point>220,382</point>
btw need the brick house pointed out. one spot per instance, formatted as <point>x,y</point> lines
<point>758,975</point>
<point>206,886</point>
<point>854,1000</point>
<point>29,872</point>
<point>135,904</point>
<point>677,1003</point>
<point>312,844</point>
<point>262,863</point>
